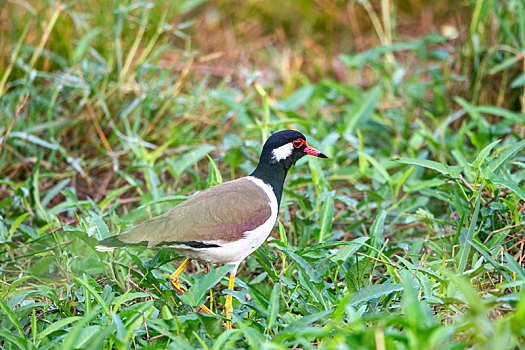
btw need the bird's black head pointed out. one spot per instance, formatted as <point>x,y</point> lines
<point>282,150</point>
<point>286,148</point>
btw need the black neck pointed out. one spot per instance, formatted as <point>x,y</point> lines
<point>273,175</point>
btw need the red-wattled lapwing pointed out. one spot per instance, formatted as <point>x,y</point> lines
<point>225,223</point>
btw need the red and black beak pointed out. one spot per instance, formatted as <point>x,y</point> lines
<point>307,149</point>
<point>313,152</point>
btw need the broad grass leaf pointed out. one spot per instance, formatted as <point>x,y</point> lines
<point>451,171</point>
<point>19,341</point>
<point>296,99</point>
<point>120,330</point>
<point>265,258</point>
<point>518,81</point>
<point>321,246</point>
<point>483,251</point>
<point>189,158</point>
<point>71,341</point>
<point>302,264</point>
<point>17,223</point>
<point>177,342</point>
<point>91,336</point>
<point>214,175</point>
<point>327,216</point>
<point>112,195</point>
<point>317,172</point>
<point>253,335</point>
<point>471,296</point>
<point>196,295</point>
<point>484,153</point>
<point>260,295</point>
<point>470,234</point>
<point>212,323</point>
<point>90,290</point>
<point>515,267</point>
<point>505,156</point>
<point>241,297</point>
<point>10,315</point>
<point>83,45</point>
<point>359,60</point>
<point>422,185</point>
<point>372,292</point>
<point>348,91</point>
<point>102,230</point>
<point>498,180</point>
<point>471,110</point>
<point>376,231</point>
<point>313,291</point>
<point>273,306</point>
<point>502,112</point>
<point>154,186</point>
<point>128,296</point>
<point>51,193</point>
<point>57,325</point>
<point>295,326</point>
<point>349,249</point>
<point>506,64</point>
<point>227,340</point>
<point>418,313</point>
<point>361,111</point>
<point>161,257</point>
<point>381,170</point>
<point>282,234</point>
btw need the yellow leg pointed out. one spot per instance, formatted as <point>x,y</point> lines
<point>211,302</point>
<point>229,302</point>
<point>175,283</point>
<point>174,278</point>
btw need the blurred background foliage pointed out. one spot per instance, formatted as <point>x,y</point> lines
<point>409,236</point>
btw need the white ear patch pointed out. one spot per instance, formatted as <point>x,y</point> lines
<point>282,152</point>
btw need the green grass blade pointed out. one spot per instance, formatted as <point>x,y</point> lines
<point>505,156</point>
<point>372,292</point>
<point>327,216</point>
<point>89,290</point>
<point>12,318</point>
<point>515,267</point>
<point>470,234</point>
<point>189,159</point>
<point>362,110</point>
<point>102,229</point>
<point>451,171</point>
<point>57,325</point>
<point>273,306</point>
<point>196,295</point>
<point>302,264</point>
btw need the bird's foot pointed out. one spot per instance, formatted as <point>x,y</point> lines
<point>206,310</point>
<point>175,283</point>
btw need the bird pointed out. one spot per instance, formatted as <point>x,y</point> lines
<point>227,222</point>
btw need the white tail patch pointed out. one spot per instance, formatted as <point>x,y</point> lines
<point>103,248</point>
<point>282,152</point>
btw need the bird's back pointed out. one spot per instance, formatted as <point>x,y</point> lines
<point>210,219</point>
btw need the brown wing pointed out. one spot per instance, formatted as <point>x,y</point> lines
<point>221,213</point>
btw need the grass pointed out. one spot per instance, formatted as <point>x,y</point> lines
<point>411,234</point>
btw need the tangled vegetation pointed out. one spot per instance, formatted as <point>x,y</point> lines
<point>410,236</point>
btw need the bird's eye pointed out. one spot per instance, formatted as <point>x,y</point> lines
<point>298,143</point>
